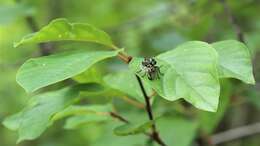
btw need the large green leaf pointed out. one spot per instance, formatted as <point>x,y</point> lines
<point>126,82</point>
<point>234,60</point>
<point>193,75</point>
<point>132,128</point>
<point>189,72</point>
<point>40,72</point>
<point>36,116</point>
<point>61,29</point>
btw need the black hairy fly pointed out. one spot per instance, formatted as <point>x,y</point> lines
<point>150,69</point>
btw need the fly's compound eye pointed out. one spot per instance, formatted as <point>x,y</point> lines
<point>146,62</point>
<point>153,62</point>
<point>149,62</point>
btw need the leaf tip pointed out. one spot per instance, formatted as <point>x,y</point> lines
<point>251,81</point>
<point>213,109</point>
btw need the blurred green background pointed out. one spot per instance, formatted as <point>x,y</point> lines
<point>143,28</point>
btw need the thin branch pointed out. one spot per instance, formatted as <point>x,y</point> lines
<point>232,21</point>
<point>124,57</point>
<point>120,118</point>
<point>147,101</point>
<point>236,133</point>
<point>154,134</point>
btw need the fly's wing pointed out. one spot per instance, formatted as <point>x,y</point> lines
<point>150,76</point>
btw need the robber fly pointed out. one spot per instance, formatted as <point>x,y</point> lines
<point>150,69</point>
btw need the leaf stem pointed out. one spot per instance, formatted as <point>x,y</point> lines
<point>124,57</point>
<point>120,118</point>
<point>155,135</point>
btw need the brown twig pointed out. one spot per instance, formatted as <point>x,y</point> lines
<point>236,133</point>
<point>120,118</point>
<point>155,135</point>
<point>232,21</point>
<point>124,57</point>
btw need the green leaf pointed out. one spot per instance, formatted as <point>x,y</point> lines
<point>132,129</point>
<point>77,121</point>
<point>193,75</point>
<point>84,110</point>
<point>61,29</point>
<point>40,72</point>
<point>36,116</point>
<point>126,82</point>
<point>234,60</point>
<point>189,72</point>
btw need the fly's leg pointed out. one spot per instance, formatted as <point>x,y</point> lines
<point>158,71</point>
<point>160,66</point>
<point>143,75</point>
<point>139,71</point>
<point>149,76</point>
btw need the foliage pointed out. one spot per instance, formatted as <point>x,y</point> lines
<point>84,84</point>
<point>191,73</point>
